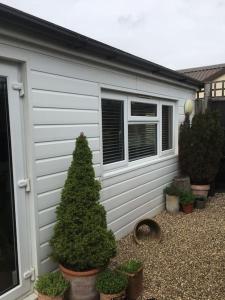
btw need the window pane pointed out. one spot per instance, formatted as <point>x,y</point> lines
<point>112,131</point>
<point>143,109</point>
<point>167,127</point>
<point>142,139</point>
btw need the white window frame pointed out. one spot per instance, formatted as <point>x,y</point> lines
<point>142,118</point>
<point>172,150</point>
<point>129,119</point>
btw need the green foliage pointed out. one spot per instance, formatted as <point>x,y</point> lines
<point>52,284</point>
<point>81,240</point>
<point>187,198</point>
<point>131,266</point>
<point>200,147</point>
<point>111,282</point>
<point>172,190</point>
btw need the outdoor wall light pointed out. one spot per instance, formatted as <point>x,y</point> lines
<point>188,107</point>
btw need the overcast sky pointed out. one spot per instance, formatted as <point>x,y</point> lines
<point>174,33</point>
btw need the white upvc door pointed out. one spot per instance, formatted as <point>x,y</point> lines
<point>16,249</point>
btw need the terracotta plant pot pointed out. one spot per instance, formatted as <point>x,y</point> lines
<point>200,190</point>
<point>172,204</point>
<point>82,284</point>
<point>135,285</point>
<point>120,296</point>
<point>187,208</point>
<point>44,297</point>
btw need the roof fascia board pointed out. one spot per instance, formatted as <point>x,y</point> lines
<point>31,24</point>
<point>43,46</point>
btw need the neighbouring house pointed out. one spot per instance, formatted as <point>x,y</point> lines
<point>212,96</point>
<point>54,84</point>
<point>213,78</point>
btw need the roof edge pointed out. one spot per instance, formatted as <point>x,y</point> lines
<point>34,24</point>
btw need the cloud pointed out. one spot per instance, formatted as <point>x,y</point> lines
<point>132,20</point>
<point>177,33</point>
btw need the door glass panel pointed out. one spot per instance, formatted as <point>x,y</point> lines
<point>8,249</point>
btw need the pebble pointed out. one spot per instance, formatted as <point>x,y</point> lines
<point>189,263</point>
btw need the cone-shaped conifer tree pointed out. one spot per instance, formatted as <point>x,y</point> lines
<point>81,240</point>
<point>201,147</point>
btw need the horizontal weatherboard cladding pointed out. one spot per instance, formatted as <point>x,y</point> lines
<point>65,99</point>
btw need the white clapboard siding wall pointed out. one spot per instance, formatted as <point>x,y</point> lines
<point>62,108</point>
<point>65,101</point>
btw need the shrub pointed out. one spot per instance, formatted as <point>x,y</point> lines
<point>131,266</point>
<point>200,147</point>
<point>111,282</point>
<point>52,284</point>
<point>187,198</point>
<point>172,190</point>
<point>81,240</point>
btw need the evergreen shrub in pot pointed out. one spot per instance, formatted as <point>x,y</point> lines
<point>134,270</point>
<point>111,285</point>
<point>200,150</point>
<point>51,286</point>
<point>172,198</point>
<point>81,242</point>
<point>187,200</point>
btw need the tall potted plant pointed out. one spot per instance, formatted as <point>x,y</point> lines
<point>81,242</point>
<point>200,150</point>
<point>134,270</point>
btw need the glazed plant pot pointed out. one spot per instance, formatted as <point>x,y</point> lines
<point>135,285</point>
<point>200,190</point>
<point>44,297</point>
<point>187,208</point>
<point>172,204</point>
<point>82,284</point>
<point>119,296</point>
<point>200,203</point>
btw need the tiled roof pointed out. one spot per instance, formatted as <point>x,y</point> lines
<point>205,73</point>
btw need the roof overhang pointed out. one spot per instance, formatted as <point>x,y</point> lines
<point>26,23</point>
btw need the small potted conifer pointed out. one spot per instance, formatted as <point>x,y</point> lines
<point>81,242</point>
<point>172,198</point>
<point>134,270</point>
<point>51,286</point>
<point>187,200</point>
<point>111,285</point>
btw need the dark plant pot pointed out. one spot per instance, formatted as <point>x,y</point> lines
<point>200,203</point>
<point>135,285</point>
<point>187,208</point>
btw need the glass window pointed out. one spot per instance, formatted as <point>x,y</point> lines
<point>9,273</point>
<point>112,131</point>
<point>142,140</point>
<point>143,109</point>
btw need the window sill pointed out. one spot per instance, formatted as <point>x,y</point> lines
<point>137,165</point>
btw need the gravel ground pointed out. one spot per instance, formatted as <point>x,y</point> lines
<point>189,261</point>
